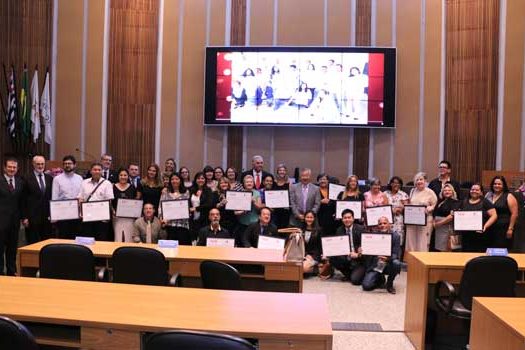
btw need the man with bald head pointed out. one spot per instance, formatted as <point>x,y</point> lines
<point>256,171</point>
<point>37,195</point>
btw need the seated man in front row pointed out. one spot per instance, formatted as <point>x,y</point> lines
<point>214,230</point>
<point>351,266</point>
<point>262,227</point>
<point>378,266</point>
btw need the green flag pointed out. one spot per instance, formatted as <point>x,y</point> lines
<point>25,110</point>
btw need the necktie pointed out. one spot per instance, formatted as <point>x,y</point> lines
<point>349,233</point>
<point>305,196</point>
<point>11,187</point>
<point>257,181</point>
<point>148,232</point>
<point>105,174</point>
<point>41,182</point>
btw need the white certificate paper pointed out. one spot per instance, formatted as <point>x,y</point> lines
<point>64,210</point>
<point>129,208</point>
<point>356,207</point>
<point>415,215</point>
<point>336,245</point>
<point>468,220</point>
<point>277,199</point>
<point>376,244</point>
<point>238,200</point>
<point>95,211</point>
<point>334,190</point>
<point>220,242</point>
<point>374,213</point>
<point>266,242</point>
<point>176,209</point>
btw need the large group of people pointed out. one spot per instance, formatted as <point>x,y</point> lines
<point>25,200</point>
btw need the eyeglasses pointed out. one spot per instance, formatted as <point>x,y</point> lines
<point>443,167</point>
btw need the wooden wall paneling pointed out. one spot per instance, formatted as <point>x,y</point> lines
<point>194,39</point>
<point>472,79</point>
<point>132,81</point>
<point>513,104</point>
<point>406,137</point>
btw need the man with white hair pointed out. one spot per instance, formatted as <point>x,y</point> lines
<point>256,171</point>
<point>304,196</point>
<point>37,195</point>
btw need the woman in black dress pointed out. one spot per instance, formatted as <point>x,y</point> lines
<point>281,216</point>
<point>228,218</point>
<point>443,216</point>
<point>506,206</point>
<point>201,200</point>
<point>478,241</point>
<point>152,186</point>
<point>326,213</point>
<point>123,227</point>
<point>352,194</point>
<point>312,238</point>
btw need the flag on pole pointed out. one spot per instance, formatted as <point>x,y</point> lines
<point>25,112</point>
<point>45,111</point>
<point>11,105</point>
<point>35,107</point>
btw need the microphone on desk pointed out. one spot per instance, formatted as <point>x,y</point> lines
<point>86,154</point>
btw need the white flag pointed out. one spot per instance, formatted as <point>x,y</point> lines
<point>45,111</point>
<point>35,108</point>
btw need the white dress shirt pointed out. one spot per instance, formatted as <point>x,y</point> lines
<point>103,192</point>
<point>66,186</point>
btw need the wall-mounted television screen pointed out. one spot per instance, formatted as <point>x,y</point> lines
<point>304,86</point>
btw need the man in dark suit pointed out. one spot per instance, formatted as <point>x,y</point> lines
<point>107,173</point>
<point>379,266</point>
<point>37,195</point>
<point>262,227</point>
<point>256,171</point>
<point>11,192</point>
<point>134,176</point>
<point>352,266</point>
<point>214,229</point>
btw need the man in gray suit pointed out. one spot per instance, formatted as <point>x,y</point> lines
<point>304,196</point>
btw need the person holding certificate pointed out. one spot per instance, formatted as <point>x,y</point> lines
<point>443,217</point>
<point>247,218</point>
<point>263,227</point>
<point>506,207</point>
<point>379,266</point>
<point>352,193</point>
<point>281,216</point>
<point>179,229</point>
<point>148,229</point>
<point>326,211</point>
<point>397,199</point>
<point>418,237</point>
<point>227,218</point>
<point>123,189</point>
<point>214,229</point>
<point>478,241</point>
<point>201,201</point>
<point>96,188</point>
<point>352,266</point>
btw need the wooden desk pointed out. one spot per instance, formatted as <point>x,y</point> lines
<point>425,269</point>
<point>498,323</point>
<point>103,316</point>
<point>276,273</point>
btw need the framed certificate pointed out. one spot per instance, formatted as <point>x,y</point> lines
<point>336,245</point>
<point>355,206</point>
<point>64,210</point>
<point>175,209</point>
<point>220,242</point>
<point>267,242</point>
<point>374,213</point>
<point>415,215</point>
<point>95,211</point>
<point>334,190</point>
<point>468,220</point>
<point>277,199</point>
<point>376,244</point>
<point>129,208</point>
<point>238,200</point>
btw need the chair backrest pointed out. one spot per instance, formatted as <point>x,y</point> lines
<point>189,340</point>
<point>67,261</point>
<point>140,265</point>
<point>488,276</point>
<point>219,275</point>
<point>15,336</point>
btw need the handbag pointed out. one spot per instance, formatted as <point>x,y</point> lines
<point>295,248</point>
<point>454,240</point>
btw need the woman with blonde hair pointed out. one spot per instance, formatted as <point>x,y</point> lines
<point>418,237</point>
<point>443,216</point>
<point>152,186</point>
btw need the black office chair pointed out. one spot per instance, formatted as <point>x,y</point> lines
<point>190,340</point>
<point>140,265</point>
<point>15,336</point>
<point>69,262</point>
<point>484,276</point>
<point>219,275</point>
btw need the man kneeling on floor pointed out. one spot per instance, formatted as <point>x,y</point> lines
<point>378,266</point>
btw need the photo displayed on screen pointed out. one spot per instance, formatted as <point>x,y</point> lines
<point>300,88</point>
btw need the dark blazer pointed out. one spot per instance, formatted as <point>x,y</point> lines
<point>396,251</point>
<point>435,185</point>
<point>36,203</point>
<point>250,172</point>
<point>205,205</point>
<point>113,176</point>
<point>11,206</point>
<point>252,232</point>
<point>206,232</point>
<point>314,246</point>
<point>357,230</point>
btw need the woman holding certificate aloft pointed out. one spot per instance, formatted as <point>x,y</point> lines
<point>477,241</point>
<point>246,218</point>
<point>352,193</point>
<point>281,216</point>
<point>201,201</point>
<point>123,227</point>
<point>228,219</point>
<point>506,206</point>
<point>443,216</point>
<point>178,230</point>
<point>418,237</point>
